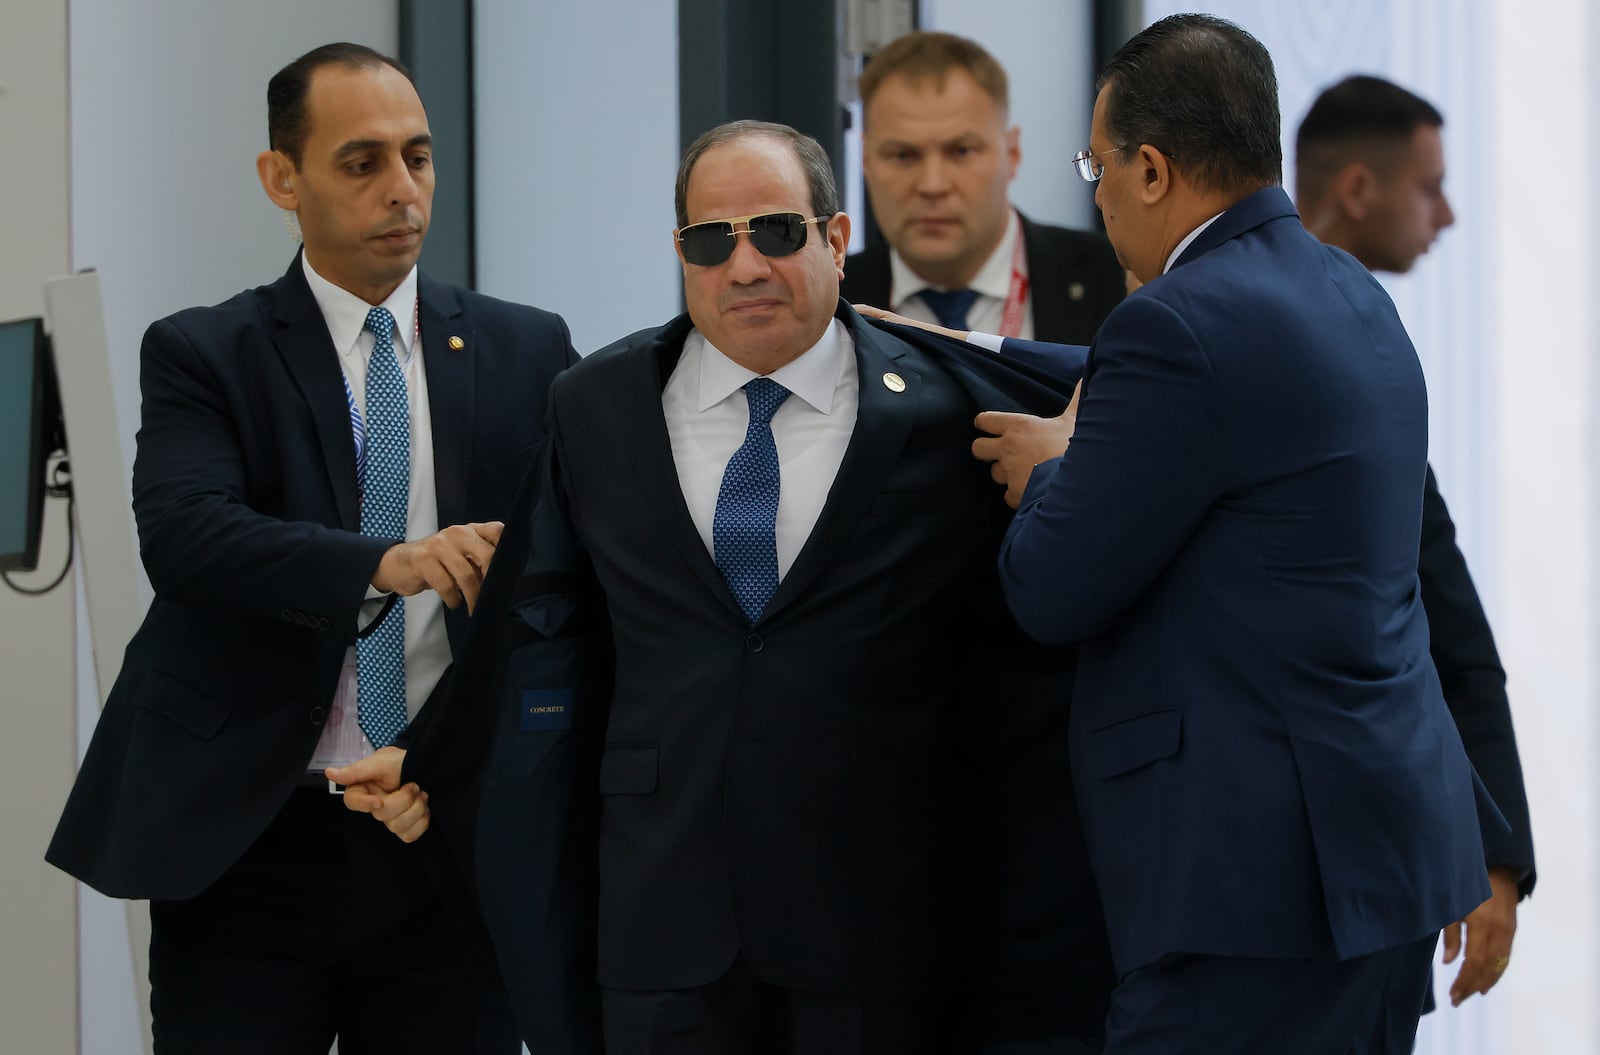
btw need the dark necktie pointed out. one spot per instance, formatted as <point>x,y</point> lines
<point>743,531</point>
<point>385,495</point>
<point>950,306</point>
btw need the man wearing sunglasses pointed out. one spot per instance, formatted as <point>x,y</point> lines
<point>754,607</point>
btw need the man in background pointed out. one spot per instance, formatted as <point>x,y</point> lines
<point>321,470</point>
<point>939,157</point>
<point>1369,175</point>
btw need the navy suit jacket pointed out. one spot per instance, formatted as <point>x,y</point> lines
<point>244,492</point>
<point>1073,276</point>
<point>1261,747</point>
<point>832,794</point>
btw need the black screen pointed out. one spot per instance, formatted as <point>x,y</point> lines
<point>23,428</point>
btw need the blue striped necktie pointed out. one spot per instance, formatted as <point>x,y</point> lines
<point>385,495</point>
<point>744,529</point>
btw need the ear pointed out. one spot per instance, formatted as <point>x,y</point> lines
<point>276,173</point>
<point>1013,151</point>
<point>1353,189</point>
<point>839,239</point>
<point>1154,175</point>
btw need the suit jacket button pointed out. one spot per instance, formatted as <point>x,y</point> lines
<point>317,715</point>
<point>288,616</point>
<point>322,622</point>
<point>753,643</point>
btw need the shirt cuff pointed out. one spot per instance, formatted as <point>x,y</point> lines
<point>989,342</point>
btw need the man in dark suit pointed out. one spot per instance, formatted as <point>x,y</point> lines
<point>1369,178</point>
<point>938,159</point>
<point>1278,807</point>
<point>758,613</point>
<point>322,464</point>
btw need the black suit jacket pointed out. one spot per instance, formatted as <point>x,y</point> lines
<point>1474,683</point>
<point>244,491</point>
<point>1061,262</point>
<point>825,794</point>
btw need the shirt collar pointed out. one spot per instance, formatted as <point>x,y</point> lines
<point>1188,240</point>
<point>992,280</point>
<point>813,375</point>
<point>346,313</point>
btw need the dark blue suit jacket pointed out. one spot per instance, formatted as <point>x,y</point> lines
<point>1261,747</point>
<point>244,491</point>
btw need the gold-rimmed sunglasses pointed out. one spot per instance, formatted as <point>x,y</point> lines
<point>774,234</point>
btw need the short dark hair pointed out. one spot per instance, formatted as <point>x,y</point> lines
<point>1352,121</point>
<point>925,55</point>
<point>287,121</point>
<point>813,161</point>
<point>1202,91</point>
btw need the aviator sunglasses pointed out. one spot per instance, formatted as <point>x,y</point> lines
<point>774,234</point>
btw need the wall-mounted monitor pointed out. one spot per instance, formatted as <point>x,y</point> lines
<point>30,431</point>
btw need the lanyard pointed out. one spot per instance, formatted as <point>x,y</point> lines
<point>1016,296</point>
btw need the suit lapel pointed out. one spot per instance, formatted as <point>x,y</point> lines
<point>639,418</point>
<point>301,337</point>
<point>883,421</point>
<point>1050,305</point>
<point>450,371</point>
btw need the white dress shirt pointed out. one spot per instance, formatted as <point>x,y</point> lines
<point>427,648</point>
<point>992,283</point>
<point>707,415</point>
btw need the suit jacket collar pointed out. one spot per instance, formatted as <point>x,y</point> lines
<point>301,336</point>
<point>449,359</point>
<point>883,420</point>
<point>1250,212</point>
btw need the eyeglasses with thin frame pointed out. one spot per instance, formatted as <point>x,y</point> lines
<point>774,234</point>
<point>1089,165</point>
<point>1091,168</point>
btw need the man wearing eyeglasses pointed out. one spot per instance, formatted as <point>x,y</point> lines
<point>754,607</point>
<point>1279,809</point>
<point>938,159</point>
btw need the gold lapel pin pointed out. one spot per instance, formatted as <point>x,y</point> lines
<point>456,344</point>
<point>1075,291</point>
<point>894,382</point>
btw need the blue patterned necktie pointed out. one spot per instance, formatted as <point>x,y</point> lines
<point>385,494</point>
<point>743,531</point>
<point>950,306</point>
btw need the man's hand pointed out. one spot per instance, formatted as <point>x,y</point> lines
<point>888,316</point>
<point>372,785</point>
<point>1018,442</point>
<point>452,563</point>
<point>1489,930</point>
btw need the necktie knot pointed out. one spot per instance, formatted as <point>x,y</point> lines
<point>950,306</point>
<point>765,397</point>
<point>381,325</point>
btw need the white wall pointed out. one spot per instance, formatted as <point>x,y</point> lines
<point>577,150</point>
<point>1502,315</point>
<point>38,1001</point>
<point>168,111</point>
<point>1047,49</point>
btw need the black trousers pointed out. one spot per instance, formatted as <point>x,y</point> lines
<point>328,926</point>
<point>1224,1005</point>
<point>740,1015</point>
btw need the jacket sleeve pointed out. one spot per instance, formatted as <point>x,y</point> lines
<point>201,542</point>
<point>1474,682</point>
<point>1098,524</point>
